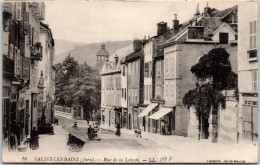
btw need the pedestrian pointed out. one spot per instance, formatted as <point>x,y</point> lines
<point>118,133</point>
<point>14,135</point>
<point>34,139</point>
<point>90,132</point>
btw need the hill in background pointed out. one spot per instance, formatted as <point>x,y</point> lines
<point>84,52</point>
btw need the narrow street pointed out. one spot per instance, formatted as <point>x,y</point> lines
<point>128,148</point>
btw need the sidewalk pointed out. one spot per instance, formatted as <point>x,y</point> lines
<point>194,148</point>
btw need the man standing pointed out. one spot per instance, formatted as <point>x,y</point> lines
<point>118,133</point>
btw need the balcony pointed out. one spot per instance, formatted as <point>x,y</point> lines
<point>36,52</point>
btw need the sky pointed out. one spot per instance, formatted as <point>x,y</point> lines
<point>101,21</point>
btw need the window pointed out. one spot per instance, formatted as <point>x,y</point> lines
<point>150,68</point>
<point>159,69</point>
<point>252,34</point>
<point>123,70</point>
<point>166,91</point>
<point>130,69</point>
<point>146,69</point>
<point>145,94</point>
<point>129,94</point>
<point>125,93</point>
<point>18,11</point>
<point>122,92</point>
<point>136,95</point>
<point>133,95</point>
<point>157,91</point>
<point>166,64</point>
<point>150,92</point>
<point>11,52</point>
<point>254,72</point>
<point>223,38</point>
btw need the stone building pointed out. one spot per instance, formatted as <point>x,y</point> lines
<point>47,69</point>
<point>22,51</point>
<point>248,70</point>
<point>134,63</point>
<point>111,109</point>
<point>102,56</point>
<point>199,35</point>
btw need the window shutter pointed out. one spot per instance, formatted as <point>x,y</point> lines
<point>18,10</point>
<point>19,62</point>
<point>11,52</point>
<point>15,61</point>
<point>26,22</point>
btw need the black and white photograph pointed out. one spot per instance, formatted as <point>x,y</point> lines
<point>88,81</point>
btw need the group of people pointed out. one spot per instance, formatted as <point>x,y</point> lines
<point>93,133</point>
<point>16,136</point>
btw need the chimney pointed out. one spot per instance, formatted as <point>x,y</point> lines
<point>137,45</point>
<point>207,11</point>
<point>197,11</point>
<point>161,28</point>
<point>176,26</point>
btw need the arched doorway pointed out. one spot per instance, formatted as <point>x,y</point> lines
<point>130,122</point>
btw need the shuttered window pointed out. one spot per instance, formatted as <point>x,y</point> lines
<point>252,35</point>
<point>18,11</point>
<point>254,72</point>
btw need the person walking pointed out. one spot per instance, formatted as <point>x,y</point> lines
<point>34,139</point>
<point>90,132</point>
<point>118,133</point>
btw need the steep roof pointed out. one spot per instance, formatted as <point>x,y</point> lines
<point>134,55</point>
<point>224,12</point>
<point>210,24</point>
<point>112,66</point>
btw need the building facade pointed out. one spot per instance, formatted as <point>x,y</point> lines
<point>47,69</point>
<point>22,51</point>
<point>196,38</point>
<point>248,70</point>
<point>111,109</point>
<point>134,63</point>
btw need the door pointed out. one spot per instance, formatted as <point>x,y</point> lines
<point>250,123</point>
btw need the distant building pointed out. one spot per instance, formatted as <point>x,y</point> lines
<point>134,63</point>
<point>102,56</point>
<point>248,70</point>
<point>111,110</point>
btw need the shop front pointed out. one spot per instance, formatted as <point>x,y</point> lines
<point>144,113</point>
<point>162,121</point>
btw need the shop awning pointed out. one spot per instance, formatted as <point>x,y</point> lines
<point>147,109</point>
<point>162,112</point>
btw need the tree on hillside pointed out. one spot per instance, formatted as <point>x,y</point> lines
<point>214,66</point>
<point>64,72</point>
<point>78,85</point>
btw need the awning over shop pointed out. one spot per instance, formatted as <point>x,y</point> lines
<point>147,109</point>
<point>162,112</point>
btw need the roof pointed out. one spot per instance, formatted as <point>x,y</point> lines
<point>134,55</point>
<point>224,12</point>
<point>210,24</point>
<point>121,53</point>
<point>111,66</point>
<point>103,52</point>
<point>46,26</point>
